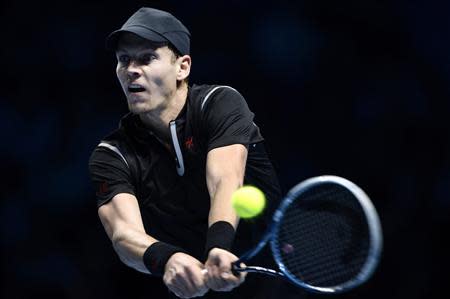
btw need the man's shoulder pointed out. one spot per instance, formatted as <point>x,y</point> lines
<point>199,91</point>
<point>200,95</point>
<point>116,138</point>
<point>115,148</point>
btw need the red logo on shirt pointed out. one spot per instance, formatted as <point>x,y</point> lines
<point>189,143</point>
<point>102,189</point>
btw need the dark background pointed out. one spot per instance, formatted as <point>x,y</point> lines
<point>356,88</point>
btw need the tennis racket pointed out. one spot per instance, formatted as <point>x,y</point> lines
<point>325,237</point>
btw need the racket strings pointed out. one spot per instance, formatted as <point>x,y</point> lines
<point>323,237</point>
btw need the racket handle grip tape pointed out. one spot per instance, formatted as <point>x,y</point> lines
<point>235,269</point>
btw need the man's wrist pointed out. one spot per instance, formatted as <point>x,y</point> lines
<point>156,256</point>
<point>220,235</point>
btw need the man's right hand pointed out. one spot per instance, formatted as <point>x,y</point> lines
<point>183,276</point>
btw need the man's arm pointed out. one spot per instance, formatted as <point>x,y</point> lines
<point>122,221</point>
<point>225,169</point>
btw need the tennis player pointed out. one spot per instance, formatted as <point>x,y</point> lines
<point>165,177</point>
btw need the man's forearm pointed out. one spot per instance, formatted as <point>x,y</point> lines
<point>225,169</point>
<point>221,209</point>
<point>131,244</point>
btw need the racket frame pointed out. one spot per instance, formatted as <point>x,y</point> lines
<point>376,239</point>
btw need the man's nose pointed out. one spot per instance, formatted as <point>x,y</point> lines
<point>133,70</point>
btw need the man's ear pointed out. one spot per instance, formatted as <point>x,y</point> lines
<point>184,69</point>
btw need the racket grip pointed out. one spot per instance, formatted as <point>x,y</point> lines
<point>235,269</point>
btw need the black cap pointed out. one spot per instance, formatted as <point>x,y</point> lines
<point>154,25</point>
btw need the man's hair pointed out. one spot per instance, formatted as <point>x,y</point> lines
<point>175,53</point>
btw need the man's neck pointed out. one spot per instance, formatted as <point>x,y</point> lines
<point>158,120</point>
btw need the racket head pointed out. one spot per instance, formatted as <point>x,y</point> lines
<point>327,235</point>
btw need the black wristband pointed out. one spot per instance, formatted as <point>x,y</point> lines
<point>156,256</point>
<point>220,235</point>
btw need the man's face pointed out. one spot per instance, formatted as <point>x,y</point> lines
<point>147,73</point>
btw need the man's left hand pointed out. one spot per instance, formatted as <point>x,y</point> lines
<point>219,276</point>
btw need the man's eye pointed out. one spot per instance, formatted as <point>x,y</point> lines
<point>124,59</point>
<point>147,58</point>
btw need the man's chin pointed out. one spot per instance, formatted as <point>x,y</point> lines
<point>138,108</point>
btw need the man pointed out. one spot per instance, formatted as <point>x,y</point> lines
<point>165,177</point>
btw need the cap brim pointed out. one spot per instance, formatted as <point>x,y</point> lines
<point>113,38</point>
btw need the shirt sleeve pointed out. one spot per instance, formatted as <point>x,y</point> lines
<point>110,175</point>
<point>227,119</point>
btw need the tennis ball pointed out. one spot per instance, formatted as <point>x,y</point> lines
<point>248,201</point>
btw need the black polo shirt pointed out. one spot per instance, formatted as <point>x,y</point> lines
<point>169,182</point>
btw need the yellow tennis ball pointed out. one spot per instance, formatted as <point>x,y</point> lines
<point>248,201</point>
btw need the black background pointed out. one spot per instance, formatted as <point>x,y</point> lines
<point>358,89</point>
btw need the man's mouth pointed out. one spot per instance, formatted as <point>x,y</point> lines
<point>135,88</point>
